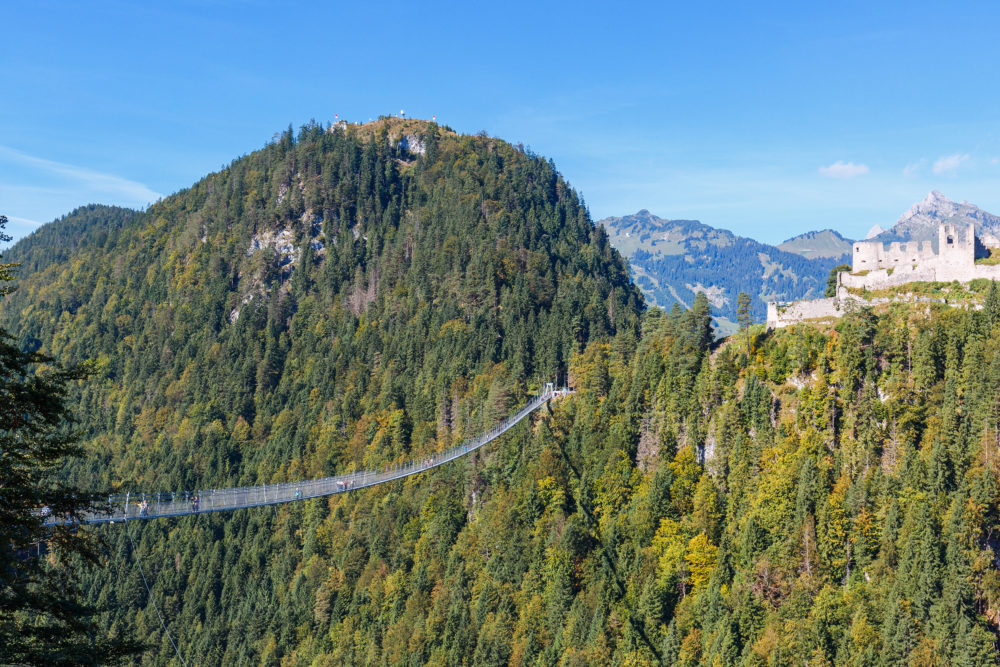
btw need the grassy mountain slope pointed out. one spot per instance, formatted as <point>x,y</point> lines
<point>824,243</point>
<point>671,260</point>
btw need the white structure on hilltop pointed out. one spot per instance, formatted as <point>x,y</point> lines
<point>876,266</point>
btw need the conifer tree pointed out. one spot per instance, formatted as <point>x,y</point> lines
<point>744,316</point>
<point>42,618</point>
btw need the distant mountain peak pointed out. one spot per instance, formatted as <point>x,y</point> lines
<point>672,260</point>
<point>815,233</point>
<point>935,205</point>
<point>935,197</point>
<point>920,221</point>
<point>874,231</point>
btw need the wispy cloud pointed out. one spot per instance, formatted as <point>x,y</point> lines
<point>949,164</point>
<point>19,227</point>
<point>90,179</point>
<point>24,221</point>
<point>912,169</point>
<point>840,169</point>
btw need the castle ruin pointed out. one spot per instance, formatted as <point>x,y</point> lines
<point>877,266</point>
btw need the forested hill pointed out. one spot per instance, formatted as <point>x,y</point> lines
<point>83,228</point>
<point>392,268</point>
<point>672,260</point>
<point>342,299</point>
<point>338,299</point>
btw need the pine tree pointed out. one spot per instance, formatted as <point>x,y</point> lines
<point>744,316</point>
<point>831,282</point>
<point>42,618</point>
<point>991,306</point>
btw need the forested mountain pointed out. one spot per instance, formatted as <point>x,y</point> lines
<point>672,260</point>
<point>87,226</point>
<point>341,299</point>
<point>338,299</point>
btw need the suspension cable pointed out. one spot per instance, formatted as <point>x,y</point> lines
<point>149,592</point>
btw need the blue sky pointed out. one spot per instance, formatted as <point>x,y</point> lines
<point>769,119</point>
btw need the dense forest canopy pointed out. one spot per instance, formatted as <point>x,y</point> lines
<point>336,269</point>
<point>342,299</point>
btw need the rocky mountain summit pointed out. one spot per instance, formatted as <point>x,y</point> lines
<point>920,222</point>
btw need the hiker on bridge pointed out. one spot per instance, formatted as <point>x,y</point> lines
<point>194,504</point>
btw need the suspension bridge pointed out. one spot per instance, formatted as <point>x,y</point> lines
<point>142,506</point>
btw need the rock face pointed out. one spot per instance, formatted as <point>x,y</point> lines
<point>873,232</point>
<point>920,222</point>
<point>413,144</point>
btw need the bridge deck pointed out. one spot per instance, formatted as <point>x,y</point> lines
<point>125,506</point>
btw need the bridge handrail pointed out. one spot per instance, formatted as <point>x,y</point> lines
<point>128,506</point>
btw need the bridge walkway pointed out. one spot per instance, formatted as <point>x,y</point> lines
<point>126,507</point>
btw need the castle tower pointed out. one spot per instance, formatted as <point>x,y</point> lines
<point>867,256</point>
<point>956,249</point>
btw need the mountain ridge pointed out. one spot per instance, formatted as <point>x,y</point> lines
<point>820,243</point>
<point>334,301</point>
<point>672,260</point>
<point>920,221</point>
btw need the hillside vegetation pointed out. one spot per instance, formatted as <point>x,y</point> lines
<point>335,301</point>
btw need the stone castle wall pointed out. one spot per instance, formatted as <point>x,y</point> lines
<point>874,256</point>
<point>883,278</point>
<point>784,314</point>
<point>876,266</point>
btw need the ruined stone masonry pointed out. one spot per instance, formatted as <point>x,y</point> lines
<point>875,266</point>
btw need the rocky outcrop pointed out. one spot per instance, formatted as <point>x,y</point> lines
<point>921,221</point>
